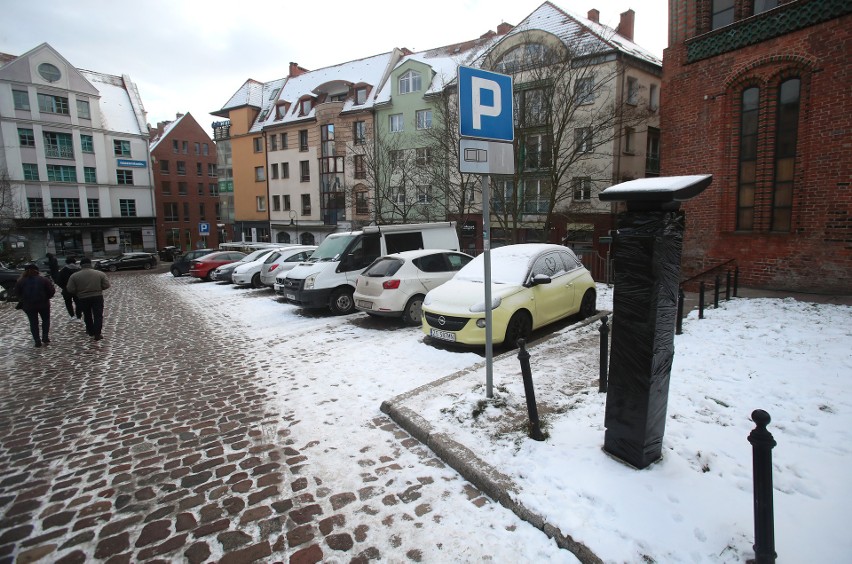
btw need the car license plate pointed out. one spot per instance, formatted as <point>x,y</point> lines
<point>443,335</point>
<point>365,305</point>
<point>290,296</point>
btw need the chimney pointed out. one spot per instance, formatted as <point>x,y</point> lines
<point>594,15</point>
<point>625,26</point>
<point>504,28</point>
<point>295,69</point>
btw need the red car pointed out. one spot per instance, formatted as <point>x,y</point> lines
<point>203,266</point>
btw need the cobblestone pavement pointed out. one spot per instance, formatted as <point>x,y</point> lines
<point>159,443</point>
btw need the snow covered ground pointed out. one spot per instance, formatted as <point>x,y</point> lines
<point>789,358</point>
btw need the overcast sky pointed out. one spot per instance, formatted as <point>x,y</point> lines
<point>191,56</point>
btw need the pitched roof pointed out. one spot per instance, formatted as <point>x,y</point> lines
<point>121,107</point>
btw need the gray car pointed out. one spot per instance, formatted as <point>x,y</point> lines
<point>182,263</point>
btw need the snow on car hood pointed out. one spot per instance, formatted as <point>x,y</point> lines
<point>456,296</point>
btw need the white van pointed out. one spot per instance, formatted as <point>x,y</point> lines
<point>327,279</point>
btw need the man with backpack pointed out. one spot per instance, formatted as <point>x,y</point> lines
<point>34,293</point>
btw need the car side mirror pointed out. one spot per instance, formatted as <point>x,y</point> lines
<point>539,279</point>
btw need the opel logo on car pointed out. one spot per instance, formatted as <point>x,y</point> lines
<point>441,320</point>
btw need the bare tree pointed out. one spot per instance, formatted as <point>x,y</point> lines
<point>11,216</point>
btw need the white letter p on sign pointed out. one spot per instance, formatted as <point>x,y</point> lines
<point>478,84</point>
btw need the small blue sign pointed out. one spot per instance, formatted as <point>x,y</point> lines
<point>129,163</point>
<point>485,105</point>
<point>204,229</point>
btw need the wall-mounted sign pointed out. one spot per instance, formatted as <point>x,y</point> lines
<point>112,240</point>
<point>130,163</point>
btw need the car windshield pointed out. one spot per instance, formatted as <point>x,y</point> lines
<point>505,269</point>
<point>384,267</point>
<point>331,248</point>
<point>255,255</point>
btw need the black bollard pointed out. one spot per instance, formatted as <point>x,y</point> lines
<point>680,299</point>
<point>716,292</point>
<point>701,289</point>
<point>524,357</point>
<point>727,285</point>
<point>762,444</point>
<point>736,280</point>
<point>604,329</point>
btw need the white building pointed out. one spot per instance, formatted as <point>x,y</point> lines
<point>75,152</point>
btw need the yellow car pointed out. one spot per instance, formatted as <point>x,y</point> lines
<point>532,285</point>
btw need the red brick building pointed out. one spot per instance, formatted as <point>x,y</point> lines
<point>757,93</point>
<point>186,188</point>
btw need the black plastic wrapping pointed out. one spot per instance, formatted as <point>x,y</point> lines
<point>646,254</point>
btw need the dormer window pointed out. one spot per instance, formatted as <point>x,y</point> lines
<point>409,82</point>
<point>337,97</point>
<point>360,95</point>
<point>305,106</point>
<point>263,115</point>
<point>528,55</point>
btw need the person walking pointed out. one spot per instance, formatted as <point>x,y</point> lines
<point>34,293</point>
<point>88,285</point>
<point>53,266</point>
<point>71,303</point>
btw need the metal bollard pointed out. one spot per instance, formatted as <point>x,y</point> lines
<point>762,444</point>
<point>736,280</point>
<point>604,329</point>
<point>701,300</point>
<point>680,299</point>
<point>716,292</point>
<point>524,357</point>
<point>727,285</point>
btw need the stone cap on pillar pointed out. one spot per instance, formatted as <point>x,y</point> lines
<point>658,193</point>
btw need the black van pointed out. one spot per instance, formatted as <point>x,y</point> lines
<point>182,263</point>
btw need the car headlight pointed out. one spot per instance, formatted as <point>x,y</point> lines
<point>428,299</point>
<point>480,307</point>
<point>309,282</point>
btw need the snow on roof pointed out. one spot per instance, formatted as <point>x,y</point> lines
<point>117,111</point>
<point>168,127</point>
<point>249,94</point>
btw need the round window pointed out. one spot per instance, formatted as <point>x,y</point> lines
<point>49,72</point>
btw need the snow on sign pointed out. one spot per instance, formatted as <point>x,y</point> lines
<point>485,105</point>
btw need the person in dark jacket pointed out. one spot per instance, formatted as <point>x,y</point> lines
<point>34,292</point>
<point>88,285</point>
<point>71,303</point>
<point>53,266</point>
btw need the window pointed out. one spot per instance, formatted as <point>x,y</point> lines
<point>536,196</point>
<point>523,57</point>
<point>213,189</point>
<point>585,90</point>
<point>259,174</point>
<point>341,97</point>
<point>186,213</point>
<point>652,153</point>
<point>49,72</point>
<point>218,212</point>
<point>583,139</point>
<point>170,211</point>
<point>654,98</point>
<point>629,140</point>
<point>398,194</point>
<point>360,133</point>
<point>182,188</point>
<point>304,171</point>
<point>83,109</point>
<point>396,157</point>
<point>273,142</point>
<point>26,137</point>
<point>58,145</point>
<point>582,188</point>
<point>722,13</point>
<point>306,204</point>
<point>504,196</point>
<point>409,82</point>
<point>94,206</point>
<point>761,6</point>
<point>199,171</point>
<point>127,208</point>
<point>632,90</point>
<point>284,141</point>
<point>90,175</point>
<point>167,187</point>
<point>274,171</point>
<point>124,177</point>
<point>181,168</point>
<point>121,148</point>
<point>424,119</point>
<point>286,202</point>
<point>258,144</point>
<point>35,206</point>
<point>424,156</point>
<point>202,215</point>
<point>285,170</point>
<point>164,167</point>
<point>60,173</point>
<point>184,147</point>
<point>538,151</point>
<point>30,171</point>
<point>362,205</point>
<point>327,140</point>
<point>211,170</point>
<point>360,169</point>
<point>276,203</point>
<point>65,207</point>
<point>424,194</point>
<point>305,106</point>
<point>205,149</point>
<point>303,140</point>
<point>53,104</point>
<point>199,189</point>
<point>532,107</point>
<point>22,99</point>
<point>396,123</point>
<point>87,143</point>
<point>786,134</point>
<point>197,148</point>
<point>360,95</point>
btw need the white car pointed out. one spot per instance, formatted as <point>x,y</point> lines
<point>394,285</point>
<point>248,273</point>
<point>283,260</point>
<point>223,273</point>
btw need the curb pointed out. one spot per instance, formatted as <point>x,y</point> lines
<point>485,477</point>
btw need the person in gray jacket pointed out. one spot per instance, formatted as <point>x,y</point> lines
<point>88,285</point>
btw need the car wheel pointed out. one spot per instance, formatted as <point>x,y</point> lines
<point>588,306</point>
<point>519,327</point>
<point>342,302</point>
<point>255,281</point>
<point>413,312</point>
<point>112,268</point>
<point>175,272</point>
<point>147,266</point>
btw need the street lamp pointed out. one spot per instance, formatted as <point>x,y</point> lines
<point>295,224</point>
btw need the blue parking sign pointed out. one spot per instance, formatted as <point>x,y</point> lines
<point>485,105</point>
<point>204,229</point>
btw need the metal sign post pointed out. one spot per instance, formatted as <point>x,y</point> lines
<point>486,247</point>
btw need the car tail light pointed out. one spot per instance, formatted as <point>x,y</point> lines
<point>273,267</point>
<point>390,284</point>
